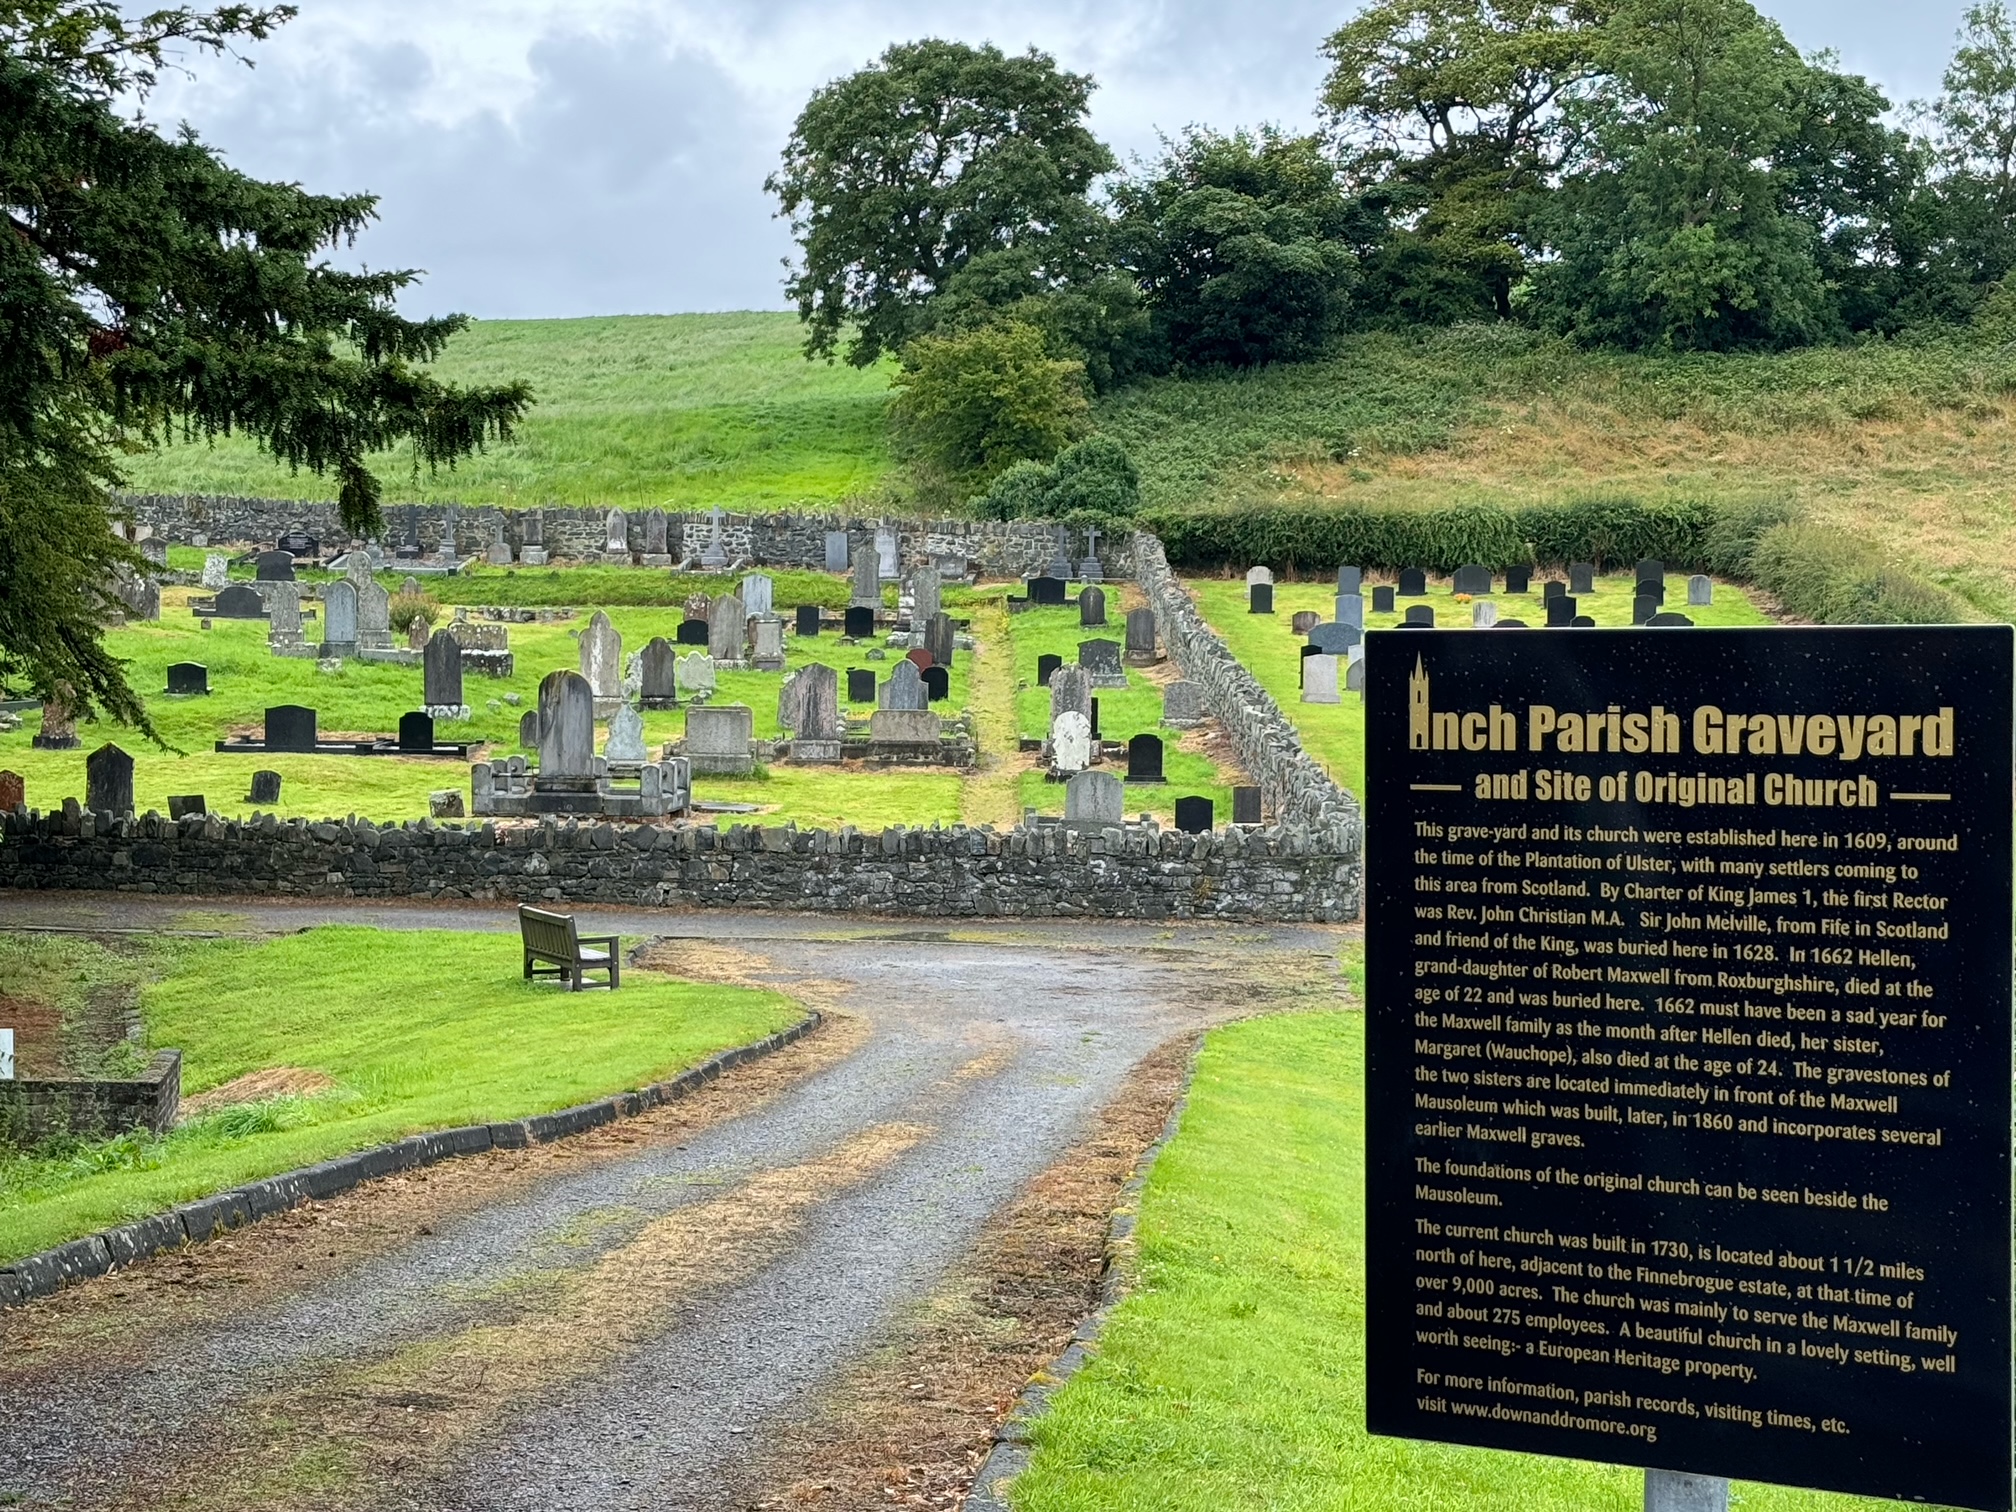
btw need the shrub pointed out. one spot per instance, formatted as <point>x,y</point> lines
<point>1093,480</point>
<point>970,403</point>
<point>408,607</point>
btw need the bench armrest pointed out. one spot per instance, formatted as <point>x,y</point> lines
<point>614,942</point>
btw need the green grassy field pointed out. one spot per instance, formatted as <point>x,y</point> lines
<point>675,410</point>
<point>1233,1376</point>
<point>414,1030</point>
<point>1335,733</point>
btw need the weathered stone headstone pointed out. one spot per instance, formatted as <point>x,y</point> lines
<point>283,617</point>
<point>860,622</point>
<point>1350,610</point>
<point>1334,639</point>
<point>1246,806</point>
<point>1319,679</point>
<point>860,685</point>
<point>1090,568</point>
<point>718,740</point>
<point>59,728</point>
<point>374,617</point>
<point>108,781</point>
<point>418,633</point>
<point>1101,661</point>
<point>1141,635</point>
<point>791,700</point>
<point>188,679</point>
<point>626,736</point>
<point>1700,591</point>
<point>1483,614</point>
<point>656,553</point>
<point>441,669</point>
<point>1350,580</point>
<point>818,712</point>
<point>1091,607</point>
<point>1095,798</point>
<point>181,806</point>
<point>867,589</point>
<point>566,727</point>
<point>602,662</point>
<point>1471,578</point>
<point>888,561</point>
<point>1183,705</point>
<point>1518,579</point>
<point>290,727</point>
<point>416,730</point>
<point>758,594</point>
<point>339,619</point>
<point>904,689</point>
<point>926,594</point>
<point>714,555</point>
<point>265,788</point>
<point>450,549</point>
<point>1144,758</point>
<point>658,675</point>
<point>216,570</point>
<point>1419,614</point>
<point>1046,590</point>
<point>838,558</point>
<point>1070,690</point>
<point>616,534</point>
<point>937,684</point>
<point>13,792</point>
<point>273,567</point>
<point>528,729</point>
<point>1195,816</point>
<point>1581,578</point>
<point>532,530</point>
<point>808,619</point>
<point>727,630</point>
<point>940,639</point>
<point>1071,741</point>
<point>695,675</point>
<point>1304,620</point>
<point>766,644</point>
<point>1383,595</point>
<point>1259,575</point>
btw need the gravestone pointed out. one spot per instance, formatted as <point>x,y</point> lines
<point>265,788</point>
<point>904,690</point>
<point>837,557</point>
<point>1553,588</point>
<point>1304,620</point>
<point>1194,816</point>
<point>59,728</point>
<point>1650,588</point>
<point>1583,622</point>
<point>441,677</point>
<point>940,639</point>
<point>374,617</point>
<point>290,727</point>
<point>867,589</point>
<point>626,736</point>
<point>1259,575</point>
<point>283,617</point>
<point>1664,620</point>
<point>1581,578</point>
<point>499,554</point>
<point>1471,578</point>
<point>1246,806</point>
<point>926,594</point>
<point>1643,607</point>
<point>532,549</point>
<point>1060,555</point>
<point>819,719</point>
<point>1070,690</point>
<point>1091,608</point>
<point>1144,758</point>
<point>913,728</point>
<point>691,632</point>
<point>791,701</point>
<point>528,729</point>
<point>1046,590</point>
<point>860,685</point>
<point>450,549</point>
<point>216,570</point>
<point>1518,579</point>
<point>416,730</point>
<point>1650,570</point>
<point>616,534</point>
<point>566,727</point>
<point>1101,661</point>
<point>1350,610</point>
<point>758,594</point>
<point>1090,569</point>
<point>1071,741</point>
<point>1095,798</point>
<point>1183,705</point>
<point>1483,614</point>
<point>1560,611</point>
<point>727,630</point>
<point>1260,598</point>
<point>1046,665</point>
<point>1319,679</point>
<point>888,561</point>
<point>1420,614</point>
<point>155,550</point>
<point>1334,639</point>
<point>860,622</point>
<point>273,567</point>
<point>1302,665</point>
<point>937,684</point>
<point>13,792</point>
<point>718,740</point>
<point>299,543</point>
<point>1382,598</point>
<point>183,806</point>
<point>108,781</point>
<point>1700,591</point>
<point>1350,580</point>
<point>656,552</point>
<point>1141,635</point>
<point>658,675</point>
<point>339,619</point>
<point>694,675</point>
<point>919,658</point>
<point>808,619</point>
<point>602,662</point>
<point>1354,675</point>
<point>1094,716</point>
<point>1413,582</point>
<point>188,679</point>
<point>714,555</point>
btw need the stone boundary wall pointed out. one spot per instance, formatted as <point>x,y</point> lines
<point>1292,784</point>
<point>1288,874</point>
<point>998,548</point>
<point>38,1275</point>
<point>32,1109</point>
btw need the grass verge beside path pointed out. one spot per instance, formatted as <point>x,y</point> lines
<point>1233,1377</point>
<point>401,1032</point>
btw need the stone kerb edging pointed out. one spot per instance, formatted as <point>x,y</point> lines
<point>195,1222</point>
<point>1291,873</point>
<point>1290,780</point>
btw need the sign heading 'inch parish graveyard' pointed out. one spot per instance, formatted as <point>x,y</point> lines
<point>1688,957</point>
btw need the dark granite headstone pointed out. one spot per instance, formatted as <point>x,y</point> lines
<point>1091,606</point>
<point>657,674</point>
<point>441,673</point>
<point>108,781</point>
<point>1259,600</point>
<point>1518,579</point>
<point>1651,588</point>
<point>1471,578</point>
<point>240,601</point>
<point>1093,715</point>
<point>1553,588</point>
<point>860,621</point>
<point>1144,758</point>
<point>290,727</point>
<point>1246,805</point>
<point>188,679</point>
<point>1420,614</point>
<point>299,543</point>
<point>1382,598</point>
<point>1581,577</point>
<point>808,619</point>
<point>1047,663</point>
<point>265,788</point>
<point>692,632</point>
<point>1413,582</point>
<point>1194,816</point>
<point>274,567</point>
<point>1652,570</point>
<point>416,730</point>
<point>1643,607</point>
<point>1583,622</point>
<point>937,683</point>
<point>1666,618</point>
<point>528,729</point>
<point>182,805</point>
<point>1560,611</point>
<point>1046,590</point>
<point>861,685</point>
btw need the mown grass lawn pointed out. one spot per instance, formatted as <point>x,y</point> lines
<point>416,1029</point>
<point>1233,1376</point>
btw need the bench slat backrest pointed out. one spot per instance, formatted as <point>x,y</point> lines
<point>549,934</point>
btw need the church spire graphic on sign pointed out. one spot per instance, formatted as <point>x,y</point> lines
<point>1417,708</point>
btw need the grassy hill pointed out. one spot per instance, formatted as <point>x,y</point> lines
<point>1908,446</point>
<point>685,410</point>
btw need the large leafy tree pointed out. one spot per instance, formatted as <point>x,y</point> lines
<point>936,159</point>
<point>1243,246</point>
<point>149,291</point>
<point>1974,122</point>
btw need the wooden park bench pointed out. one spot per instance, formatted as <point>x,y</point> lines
<point>550,937</point>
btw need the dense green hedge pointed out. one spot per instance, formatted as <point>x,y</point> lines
<point>1817,573</point>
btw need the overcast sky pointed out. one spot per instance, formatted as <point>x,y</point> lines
<point>582,157</point>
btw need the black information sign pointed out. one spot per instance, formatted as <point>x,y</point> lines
<point>1689,1057</point>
